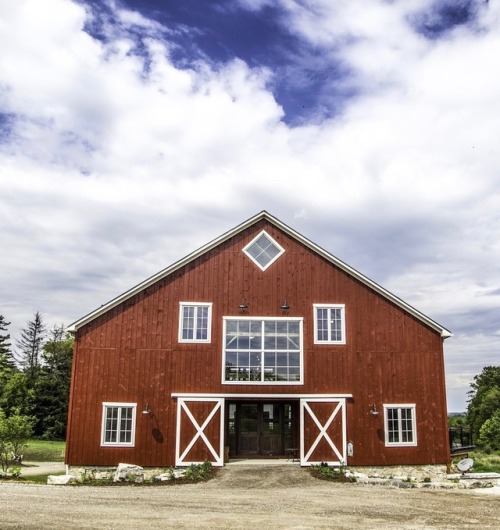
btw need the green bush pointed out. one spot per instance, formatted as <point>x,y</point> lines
<point>335,474</point>
<point>489,434</point>
<point>15,431</point>
<point>196,472</point>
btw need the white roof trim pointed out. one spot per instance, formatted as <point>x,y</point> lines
<point>243,226</point>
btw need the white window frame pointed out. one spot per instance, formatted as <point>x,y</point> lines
<point>196,305</point>
<point>400,406</point>
<point>105,406</point>
<point>342,330</point>
<point>300,320</point>
<point>273,241</point>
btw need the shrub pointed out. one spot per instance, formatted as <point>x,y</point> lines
<point>15,431</point>
<point>196,472</point>
<point>489,434</point>
<point>325,472</point>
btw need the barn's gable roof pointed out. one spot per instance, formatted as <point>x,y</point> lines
<point>243,226</point>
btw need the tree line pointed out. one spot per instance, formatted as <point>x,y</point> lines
<point>35,377</point>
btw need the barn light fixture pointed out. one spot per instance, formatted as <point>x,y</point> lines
<point>243,306</point>
<point>374,410</point>
<point>285,306</point>
<point>147,410</point>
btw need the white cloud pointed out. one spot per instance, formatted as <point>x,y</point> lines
<point>118,161</point>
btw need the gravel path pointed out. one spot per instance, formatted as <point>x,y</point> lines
<point>42,468</point>
<point>245,497</point>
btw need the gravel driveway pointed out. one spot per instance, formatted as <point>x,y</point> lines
<point>245,497</point>
<point>42,468</point>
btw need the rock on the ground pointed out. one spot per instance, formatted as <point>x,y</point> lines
<point>176,473</point>
<point>60,480</point>
<point>129,473</point>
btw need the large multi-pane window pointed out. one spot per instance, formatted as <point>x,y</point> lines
<point>400,425</point>
<point>329,324</point>
<point>195,322</point>
<point>260,350</point>
<point>118,423</point>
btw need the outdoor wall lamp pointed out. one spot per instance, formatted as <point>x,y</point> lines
<point>243,306</point>
<point>284,306</point>
<point>374,410</point>
<point>147,410</point>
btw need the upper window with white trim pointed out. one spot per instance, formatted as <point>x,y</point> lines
<point>195,322</point>
<point>329,323</point>
<point>400,425</point>
<point>263,250</point>
<point>118,424</point>
<point>262,350</point>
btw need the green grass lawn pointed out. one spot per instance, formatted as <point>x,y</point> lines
<point>485,463</point>
<point>44,451</point>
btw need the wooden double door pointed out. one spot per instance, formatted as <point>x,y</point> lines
<point>260,429</point>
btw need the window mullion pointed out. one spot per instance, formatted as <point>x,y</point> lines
<point>262,351</point>
<point>118,424</point>
<point>329,324</point>
<point>400,425</point>
<point>195,322</point>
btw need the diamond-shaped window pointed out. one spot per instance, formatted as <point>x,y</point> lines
<point>263,250</point>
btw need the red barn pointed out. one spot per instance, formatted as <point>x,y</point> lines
<point>262,344</point>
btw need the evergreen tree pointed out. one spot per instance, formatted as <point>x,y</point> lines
<point>4,339</point>
<point>52,385</point>
<point>30,347</point>
<point>7,364</point>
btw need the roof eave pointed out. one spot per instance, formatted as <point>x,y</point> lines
<point>163,273</point>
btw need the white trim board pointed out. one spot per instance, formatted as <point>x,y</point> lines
<point>309,397</point>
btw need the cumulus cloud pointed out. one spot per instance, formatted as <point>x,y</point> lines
<point>116,159</point>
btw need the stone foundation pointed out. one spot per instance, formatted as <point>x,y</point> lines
<point>417,473</point>
<point>423,476</point>
<point>414,473</point>
<point>85,473</point>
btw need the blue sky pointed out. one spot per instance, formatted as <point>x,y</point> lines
<point>131,133</point>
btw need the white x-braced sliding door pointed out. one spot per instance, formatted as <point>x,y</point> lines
<point>323,435</point>
<point>200,431</point>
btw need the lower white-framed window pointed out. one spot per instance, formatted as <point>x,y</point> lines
<point>400,424</point>
<point>118,424</point>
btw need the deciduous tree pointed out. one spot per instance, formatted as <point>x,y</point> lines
<point>484,398</point>
<point>489,434</point>
<point>15,431</point>
<point>18,396</point>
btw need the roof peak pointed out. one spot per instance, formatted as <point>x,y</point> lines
<point>263,214</point>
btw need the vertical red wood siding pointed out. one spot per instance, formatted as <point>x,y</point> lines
<point>132,354</point>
